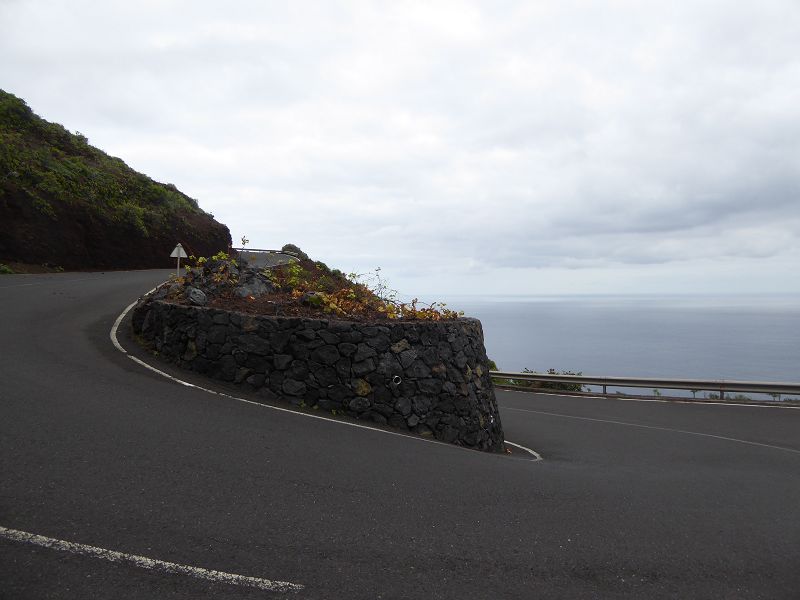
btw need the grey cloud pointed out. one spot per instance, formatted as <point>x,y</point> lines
<point>534,136</point>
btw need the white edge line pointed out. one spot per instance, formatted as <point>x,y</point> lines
<point>113,334</point>
<point>115,341</point>
<point>536,456</point>
<point>148,563</point>
<point>669,429</point>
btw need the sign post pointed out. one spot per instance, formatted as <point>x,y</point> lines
<point>178,253</point>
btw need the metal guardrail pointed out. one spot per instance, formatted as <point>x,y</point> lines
<point>286,252</point>
<point>260,258</point>
<point>714,385</point>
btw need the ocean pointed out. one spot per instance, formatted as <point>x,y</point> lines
<point>705,337</point>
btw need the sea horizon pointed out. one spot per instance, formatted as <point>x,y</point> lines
<point>749,336</point>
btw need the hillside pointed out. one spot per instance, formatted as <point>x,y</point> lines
<point>65,203</point>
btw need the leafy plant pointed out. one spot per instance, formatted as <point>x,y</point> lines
<point>354,296</point>
<point>296,277</point>
<point>223,256</point>
<point>314,285</point>
<point>221,269</point>
<point>195,262</point>
<point>6,270</point>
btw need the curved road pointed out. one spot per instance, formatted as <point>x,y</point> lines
<point>632,499</point>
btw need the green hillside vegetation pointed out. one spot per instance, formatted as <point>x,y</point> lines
<point>65,202</point>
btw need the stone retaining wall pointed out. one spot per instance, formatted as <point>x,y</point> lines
<point>431,378</point>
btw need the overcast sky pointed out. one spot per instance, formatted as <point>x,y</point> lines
<point>504,147</point>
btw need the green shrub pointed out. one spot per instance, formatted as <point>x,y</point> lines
<point>55,167</point>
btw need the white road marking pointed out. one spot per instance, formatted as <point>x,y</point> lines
<point>144,562</point>
<point>536,455</point>
<point>708,435</point>
<point>113,334</point>
<point>118,346</point>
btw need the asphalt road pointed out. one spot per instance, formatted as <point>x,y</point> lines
<point>631,499</point>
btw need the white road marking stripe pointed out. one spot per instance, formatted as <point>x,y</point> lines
<point>148,563</point>
<point>113,333</point>
<point>708,435</point>
<point>536,455</point>
<point>118,346</point>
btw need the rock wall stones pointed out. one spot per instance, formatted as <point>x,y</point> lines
<point>431,378</point>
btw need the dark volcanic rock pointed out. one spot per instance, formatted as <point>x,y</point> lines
<point>430,377</point>
<point>196,296</point>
